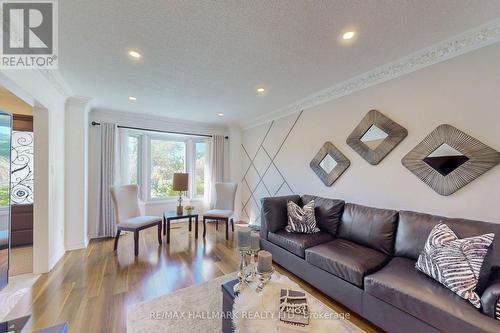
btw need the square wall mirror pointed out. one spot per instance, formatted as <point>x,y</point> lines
<point>329,163</point>
<point>448,159</point>
<point>375,137</point>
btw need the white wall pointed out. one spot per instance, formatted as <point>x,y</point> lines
<point>142,121</point>
<point>76,172</point>
<point>462,92</point>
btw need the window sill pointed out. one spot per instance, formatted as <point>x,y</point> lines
<point>167,201</point>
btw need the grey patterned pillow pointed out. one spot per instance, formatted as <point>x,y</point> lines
<point>455,262</point>
<point>301,220</point>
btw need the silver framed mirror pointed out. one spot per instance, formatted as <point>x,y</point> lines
<point>329,163</point>
<point>448,159</point>
<point>376,136</point>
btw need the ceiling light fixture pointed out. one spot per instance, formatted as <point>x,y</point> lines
<point>132,98</point>
<point>134,54</point>
<point>220,114</point>
<point>348,35</point>
<point>260,90</point>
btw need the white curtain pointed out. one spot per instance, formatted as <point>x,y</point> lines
<point>107,177</point>
<point>216,165</point>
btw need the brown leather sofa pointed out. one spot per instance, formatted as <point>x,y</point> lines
<point>365,258</point>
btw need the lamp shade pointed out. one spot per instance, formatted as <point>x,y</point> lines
<point>180,182</point>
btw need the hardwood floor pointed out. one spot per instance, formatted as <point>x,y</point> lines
<point>91,288</point>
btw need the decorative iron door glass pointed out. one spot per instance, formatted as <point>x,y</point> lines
<point>22,168</point>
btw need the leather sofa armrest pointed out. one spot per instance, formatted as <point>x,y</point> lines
<point>490,299</point>
<point>274,213</point>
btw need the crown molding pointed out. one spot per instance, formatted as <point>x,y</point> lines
<point>468,41</point>
<point>57,82</point>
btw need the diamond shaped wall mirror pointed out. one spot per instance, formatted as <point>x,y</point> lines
<point>445,159</point>
<point>375,137</point>
<point>448,159</point>
<point>329,163</point>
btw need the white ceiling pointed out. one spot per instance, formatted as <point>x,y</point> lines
<point>205,57</point>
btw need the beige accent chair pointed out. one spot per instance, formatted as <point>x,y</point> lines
<point>224,207</point>
<point>128,214</point>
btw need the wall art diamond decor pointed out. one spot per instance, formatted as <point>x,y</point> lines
<point>375,137</point>
<point>448,159</point>
<point>329,163</point>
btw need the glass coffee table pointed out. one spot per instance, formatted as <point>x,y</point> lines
<point>172,215</point>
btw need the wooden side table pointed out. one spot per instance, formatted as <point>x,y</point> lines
<point>172,215</point>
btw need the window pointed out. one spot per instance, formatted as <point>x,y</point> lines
<point>167,158</point>
<point>200,168</point>
<point>150,160</point>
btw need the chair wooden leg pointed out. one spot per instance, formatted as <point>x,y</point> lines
<point>232,224</point>
<point>116,239</point>
<point>227,229</point>
<point>204,227</point>
<point>159,233</point>
<point>136,243</point>
<point>216,224</point>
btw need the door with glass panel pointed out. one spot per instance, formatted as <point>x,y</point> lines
<point>5,144</point>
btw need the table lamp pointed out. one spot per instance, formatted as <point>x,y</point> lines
<point>180,184</point>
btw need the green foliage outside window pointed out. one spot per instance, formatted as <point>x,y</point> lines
<point>167,158</point>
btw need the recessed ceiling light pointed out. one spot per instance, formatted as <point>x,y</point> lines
<point>134,54</point>
<point>132,98</point>
<point>220,114</point>
<point>261,90</point>
<point>348,35</point>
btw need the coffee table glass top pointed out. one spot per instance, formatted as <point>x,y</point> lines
<point>172,214</point>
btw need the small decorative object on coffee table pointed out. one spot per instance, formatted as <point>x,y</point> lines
<point>294,311</point>
<point>189,209</point>
<point>243,237</point>
<point>180,183</point>
<point>264,269</point>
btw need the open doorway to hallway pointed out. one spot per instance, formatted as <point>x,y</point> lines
<point>21,191</point>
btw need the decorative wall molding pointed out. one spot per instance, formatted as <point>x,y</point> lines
<point>253,199</point>
<point>468,41</point>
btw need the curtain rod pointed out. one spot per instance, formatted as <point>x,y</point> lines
<point>159,131</point>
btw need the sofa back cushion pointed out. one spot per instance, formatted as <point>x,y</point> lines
<point>274,213</point>
<point>371,227</point>
<point>328,212</point>
<point>414,228</point>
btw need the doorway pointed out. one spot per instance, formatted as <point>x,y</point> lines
<point>21,189</point>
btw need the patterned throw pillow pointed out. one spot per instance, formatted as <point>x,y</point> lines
<point>301,220</point>
<point>455,262</point>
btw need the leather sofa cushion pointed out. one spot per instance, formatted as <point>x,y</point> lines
<point>414,228</point>
<point>327,212</point>
<point>372,227</point>
<point>401,285</point>
<point>298,243</point>
<point>274,213</point>
<point>347,260</point>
